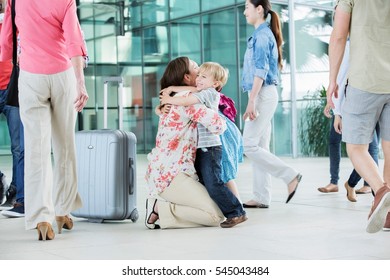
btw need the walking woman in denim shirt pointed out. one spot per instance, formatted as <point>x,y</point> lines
<point>262,61</point>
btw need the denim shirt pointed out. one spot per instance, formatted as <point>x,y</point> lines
<point>261,58</point>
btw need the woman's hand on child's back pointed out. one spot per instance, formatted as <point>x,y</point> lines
<point>165,99</point>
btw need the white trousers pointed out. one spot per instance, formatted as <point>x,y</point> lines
<point>187,204</point>
<point>256,138</point>
<point>49,117</point>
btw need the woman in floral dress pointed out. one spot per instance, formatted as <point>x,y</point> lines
<point>170,173</point>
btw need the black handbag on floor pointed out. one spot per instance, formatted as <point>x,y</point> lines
<point>12,88</point>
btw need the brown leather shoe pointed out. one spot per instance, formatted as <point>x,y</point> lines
<point>231,222</point>
<point>351,195</point>
<point>329,188</point>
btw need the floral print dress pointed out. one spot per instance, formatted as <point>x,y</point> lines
<point>176,144</point>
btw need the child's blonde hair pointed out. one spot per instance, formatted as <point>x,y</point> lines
<point>219,73</point>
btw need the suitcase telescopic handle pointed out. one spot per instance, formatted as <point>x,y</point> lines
<point>113,79</point>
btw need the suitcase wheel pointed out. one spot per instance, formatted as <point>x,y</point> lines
<point>134,215</point>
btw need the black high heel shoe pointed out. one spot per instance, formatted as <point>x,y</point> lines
<point>150,206</point>
<point>299,177</point>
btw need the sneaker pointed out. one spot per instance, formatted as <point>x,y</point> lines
<point>379,210</point>
<point>10,195</point>
<point>3,187</point>
<point>231,222</point>
<point>16,212</point>
<point>386,227</point>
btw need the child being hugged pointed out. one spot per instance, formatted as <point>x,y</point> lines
<point>210,80</point>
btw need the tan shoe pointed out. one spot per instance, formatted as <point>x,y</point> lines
<point>64,222</point>
<point>329,188</point>
<point>45,231</point>
<point>351,195</point>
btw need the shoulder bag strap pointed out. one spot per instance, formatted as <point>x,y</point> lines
<point>14,40</point>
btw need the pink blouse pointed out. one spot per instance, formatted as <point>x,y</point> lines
<point>176,143</point>
<point>50,35</point>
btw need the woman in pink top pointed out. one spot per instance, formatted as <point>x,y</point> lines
<point>51,92</point>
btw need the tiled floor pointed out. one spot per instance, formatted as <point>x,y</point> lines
<point>313,226</point>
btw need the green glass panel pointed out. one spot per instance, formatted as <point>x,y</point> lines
<point>219,45</point>
<point>154,11</point>
<point>5,142</point>
<point>185,38</point>
<point>319,3</point>
<point>209,5</point>
<point>181,8</point>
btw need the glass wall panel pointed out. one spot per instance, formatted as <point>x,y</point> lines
<point>185,38</point>
<point>312,33</point>
<point>209,5</point>
<point>4,136</point>
<point>181,8</point>
<point>313,29</point>
<point>101,25</point>
<point>125,48</point>
<point>322,3</point>
<point>154,11</point>
<point>133,101</point>
<point>219,45</point>
<point>135,13</point>
<point>156,57</point>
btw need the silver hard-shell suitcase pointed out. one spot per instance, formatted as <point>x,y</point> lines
<point>106,170</point>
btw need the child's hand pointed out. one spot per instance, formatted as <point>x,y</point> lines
<point>162,109</point>
<point>166,91</point>
<point>165,99</point>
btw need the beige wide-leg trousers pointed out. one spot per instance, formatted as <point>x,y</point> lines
<point>48,115</point>
<point>256,138</point>
<point>187,204</point>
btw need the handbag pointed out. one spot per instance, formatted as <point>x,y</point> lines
<point>12,88</point>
